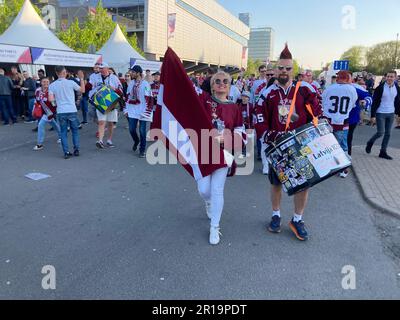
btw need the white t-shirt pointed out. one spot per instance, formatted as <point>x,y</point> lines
<point>97,81</point>
<point>388,97</point>
<point>337,102</point>
<point>136,111</point>
<point>63,91</point>
<point>234,94</point>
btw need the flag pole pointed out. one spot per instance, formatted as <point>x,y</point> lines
<point>167,24</point>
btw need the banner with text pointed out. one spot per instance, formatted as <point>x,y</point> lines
<point>64,58</point>
<point>14,54</point>
<point>153,66</point>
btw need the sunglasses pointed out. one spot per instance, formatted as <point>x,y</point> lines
<point>270,74</point>
<point>280,68</point>
<point>219,81</point>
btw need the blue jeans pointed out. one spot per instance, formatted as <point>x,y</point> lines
<point>84,108</point>
<point>6,109</point>
<point>42,129</point>
<point>142,130</point>
<point>341,136</point>
<point>31,103</point>
<point>69,120</point>
<point>384,123</point>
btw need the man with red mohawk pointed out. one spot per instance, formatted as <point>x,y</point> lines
<point>272,115</point>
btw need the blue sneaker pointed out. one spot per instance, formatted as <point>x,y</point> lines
<point>299,230</point>
<point>275,224</point>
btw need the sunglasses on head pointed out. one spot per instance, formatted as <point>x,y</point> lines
<point>280,68</point>
<point>219,81</point>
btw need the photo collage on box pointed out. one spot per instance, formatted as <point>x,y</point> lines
<point>290,158</point>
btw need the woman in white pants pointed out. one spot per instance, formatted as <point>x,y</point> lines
<point>226,117</point>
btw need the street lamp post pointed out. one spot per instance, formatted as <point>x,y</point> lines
<point>395,56</point>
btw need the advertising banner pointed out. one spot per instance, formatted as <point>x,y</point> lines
<point>64,58</point>
<point>14,54</point>
<point>153,66</point>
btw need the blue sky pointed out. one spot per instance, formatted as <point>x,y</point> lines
<point>313,28</point>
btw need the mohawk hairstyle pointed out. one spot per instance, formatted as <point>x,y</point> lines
<point>286,54</point>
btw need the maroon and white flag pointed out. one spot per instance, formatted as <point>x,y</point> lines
<point>184,121</point>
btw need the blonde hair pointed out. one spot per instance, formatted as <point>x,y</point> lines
<point>220,73</point>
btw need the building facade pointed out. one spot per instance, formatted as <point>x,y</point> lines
<point>261,44</point>
<point>205,33</point>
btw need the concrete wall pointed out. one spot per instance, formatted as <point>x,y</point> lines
<point>195,39</point>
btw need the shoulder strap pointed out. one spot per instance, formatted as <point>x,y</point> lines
<point>292,106</point>
<point>314,118</point>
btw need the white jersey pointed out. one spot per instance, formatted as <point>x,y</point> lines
<point>234,94</point>
<point>256,89</point>
<point>337,102</point>
<point>97,81</point>
<point>136,110</point>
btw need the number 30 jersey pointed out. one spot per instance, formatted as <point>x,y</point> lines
<point>337,102</point>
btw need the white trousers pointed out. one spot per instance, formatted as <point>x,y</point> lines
<point>265,163</point>
<point>211,189</point>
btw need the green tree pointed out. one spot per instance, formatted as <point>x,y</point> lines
<point>356,56</point>
<point>296,68</point>
<point>95,31</point>
<point>381,57</point>
<point>8,11</point>
<point>252,67</point>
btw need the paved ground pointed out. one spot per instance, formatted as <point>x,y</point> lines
<point>379,178</point>
<point>116,228</point>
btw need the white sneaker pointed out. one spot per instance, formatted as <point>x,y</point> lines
<point>59,141</point>
<point>214,235</point>
<point>344,174</point>
<point>38,148</point>
<point>208,205</point>
<point>265,170</point>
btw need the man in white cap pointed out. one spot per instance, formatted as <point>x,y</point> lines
<point>105,78</point>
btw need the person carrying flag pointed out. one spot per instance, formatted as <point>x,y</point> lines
<point>183,109</point>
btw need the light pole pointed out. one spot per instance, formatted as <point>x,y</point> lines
<point>395,57</point>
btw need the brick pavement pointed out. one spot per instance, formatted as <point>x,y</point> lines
<point>379,178</point>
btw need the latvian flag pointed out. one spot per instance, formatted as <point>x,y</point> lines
<point>181,111</point>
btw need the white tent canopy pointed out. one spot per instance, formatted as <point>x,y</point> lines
<point>117,51</point>
<point>28,29</point>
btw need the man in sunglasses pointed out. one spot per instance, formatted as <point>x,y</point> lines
<point>272,117</point>
<point>309,78</point>
<point>266,73</point>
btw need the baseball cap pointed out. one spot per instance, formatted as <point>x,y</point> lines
<point>104,65</point>
<point>246,94</point>
<point>157,73</point>
<point>137,69</point>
